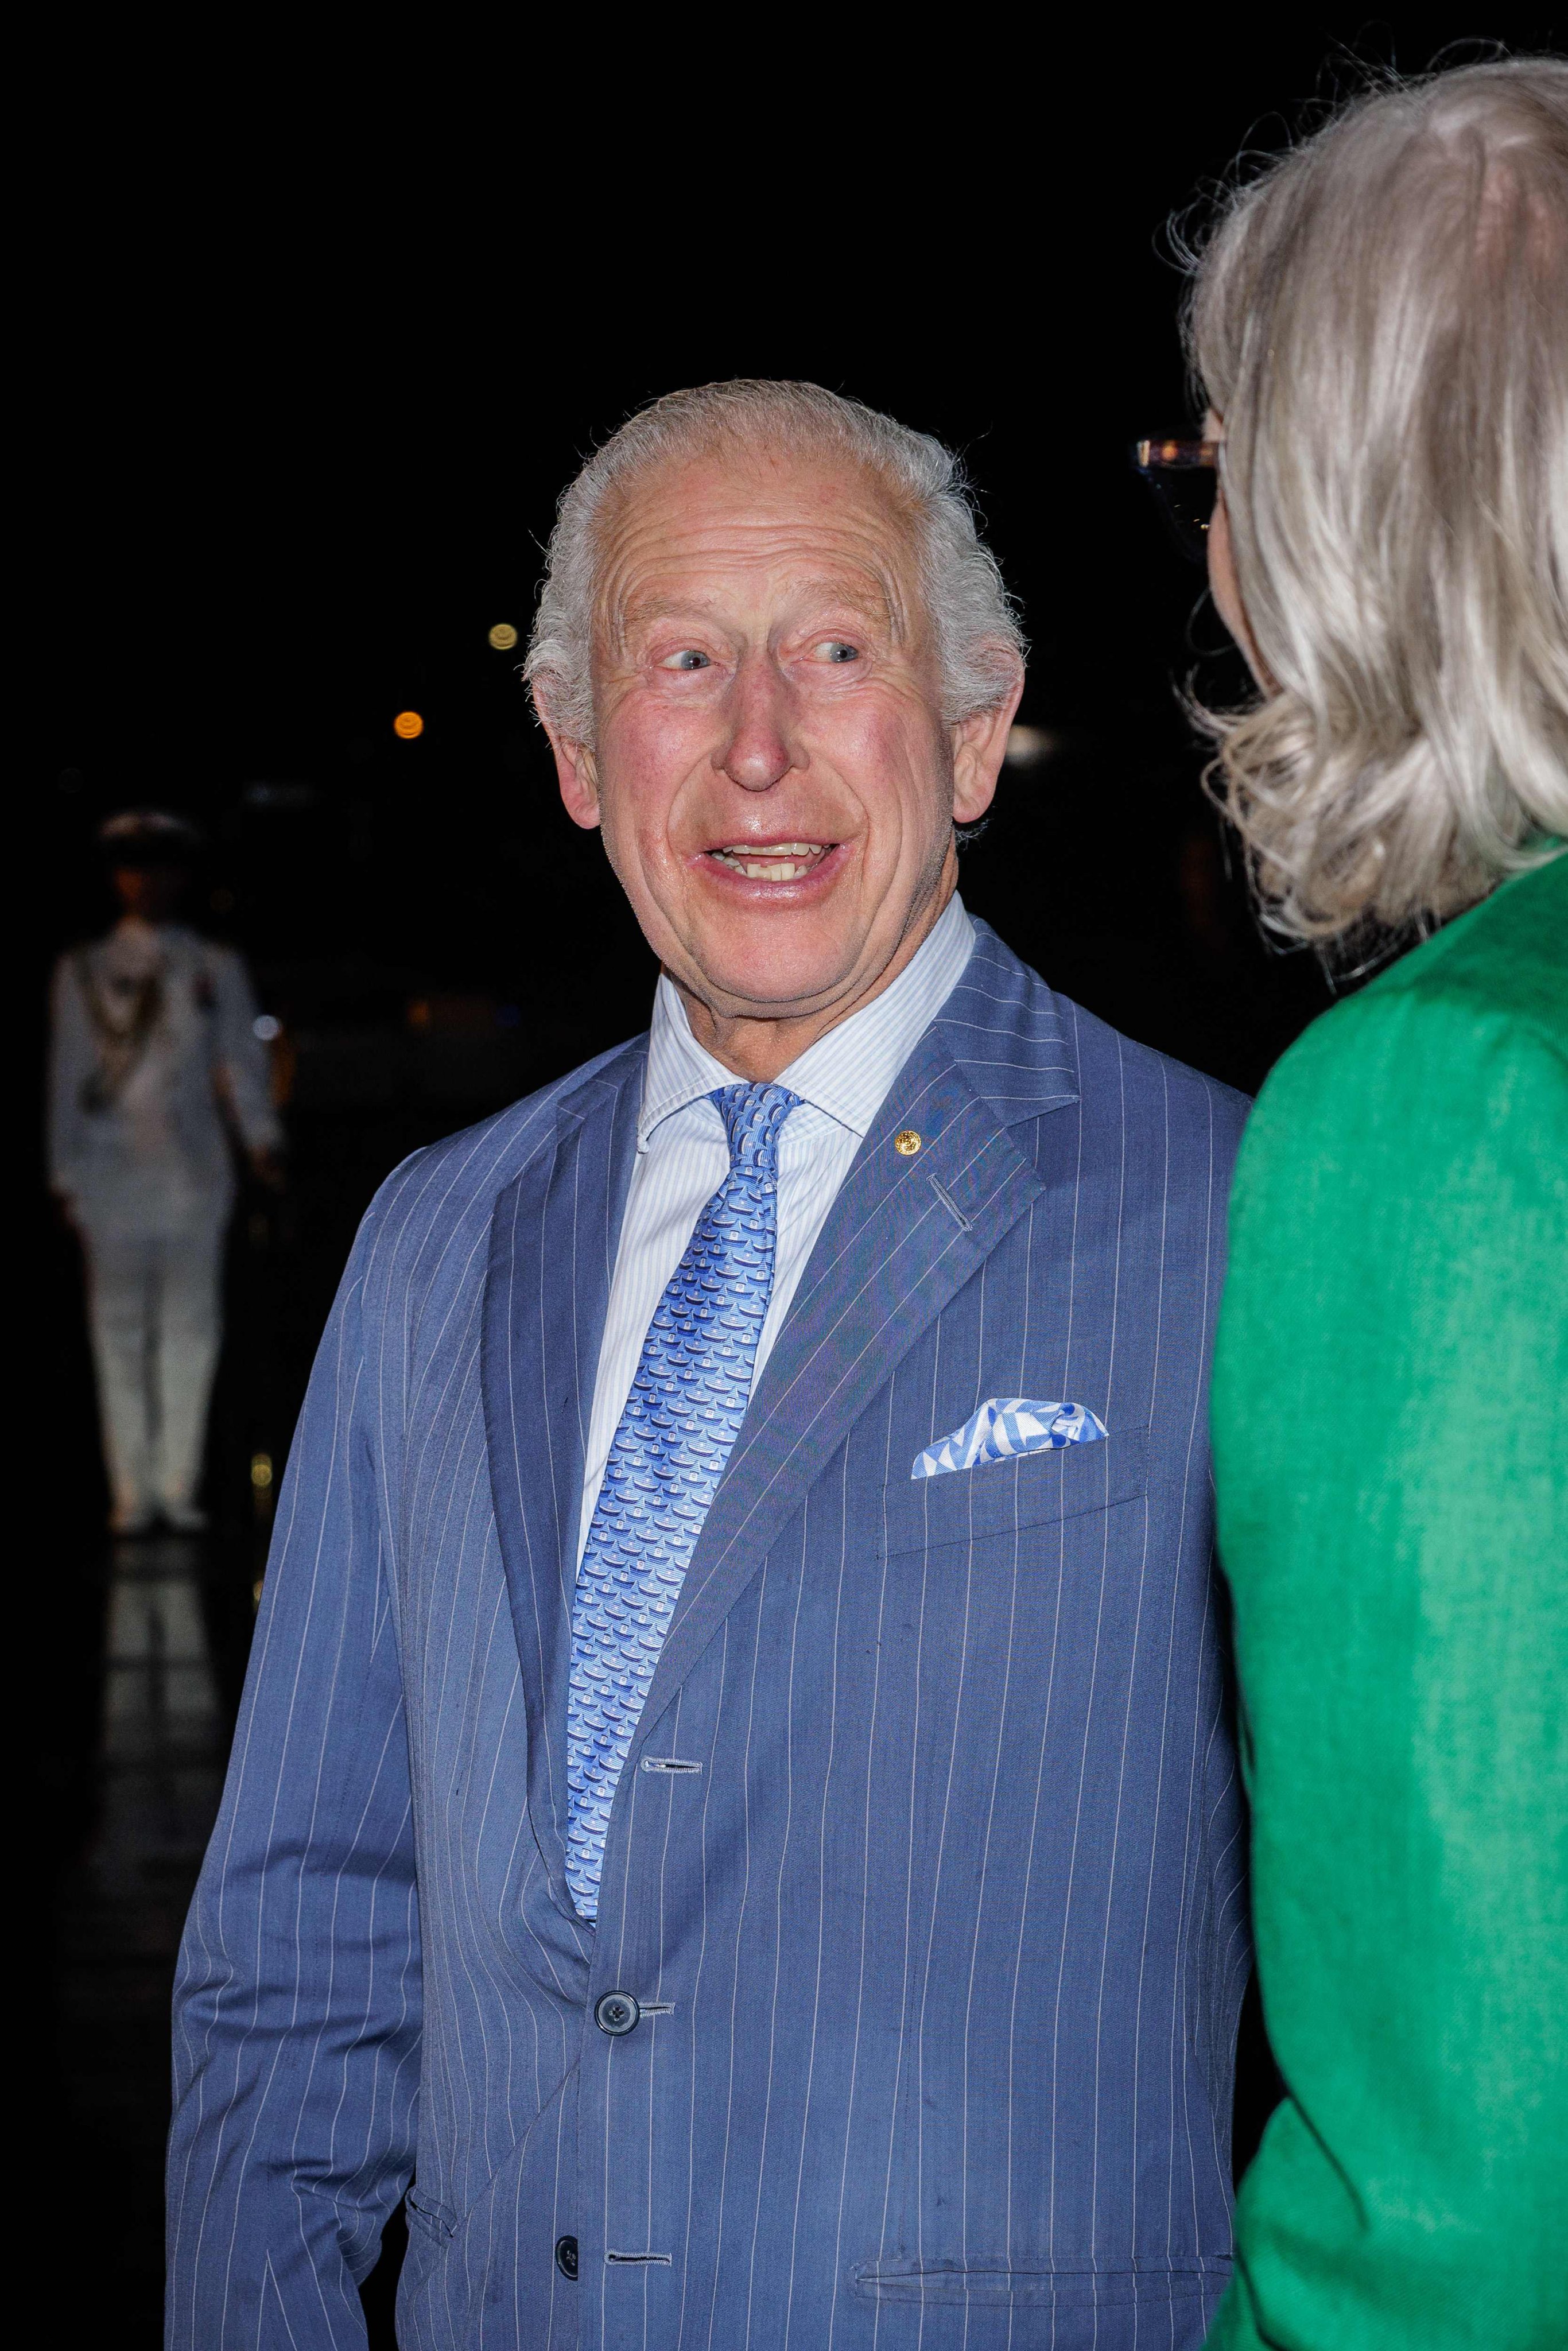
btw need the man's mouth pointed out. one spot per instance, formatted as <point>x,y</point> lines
<point>772,860</point>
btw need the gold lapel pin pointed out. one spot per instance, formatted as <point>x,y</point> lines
<point>906,1143</point>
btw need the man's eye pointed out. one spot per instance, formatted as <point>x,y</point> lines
<point>687,658</point>
<point>836,649</point>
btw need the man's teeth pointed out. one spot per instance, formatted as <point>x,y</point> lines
<point>781,860</point>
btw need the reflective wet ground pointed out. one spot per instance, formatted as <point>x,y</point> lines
<point>175,1615</point>
<point>122,1904</point>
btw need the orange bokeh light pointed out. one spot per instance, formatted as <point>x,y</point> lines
<point>408,723</point>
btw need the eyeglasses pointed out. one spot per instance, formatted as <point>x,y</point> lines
<point>1185,477</point>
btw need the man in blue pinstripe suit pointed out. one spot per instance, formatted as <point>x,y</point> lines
<point>733,1810</point>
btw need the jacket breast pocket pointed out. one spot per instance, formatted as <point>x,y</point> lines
<point>999,1498</point>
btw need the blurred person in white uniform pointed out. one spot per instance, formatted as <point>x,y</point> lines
<point>155,1059</point>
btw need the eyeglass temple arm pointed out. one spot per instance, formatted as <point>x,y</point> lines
<point>1177,456</point>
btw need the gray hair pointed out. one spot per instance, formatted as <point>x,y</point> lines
<point>1382,320</point>
<point>979,644</point>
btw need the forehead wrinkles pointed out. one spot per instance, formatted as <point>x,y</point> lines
<point>658,559</point>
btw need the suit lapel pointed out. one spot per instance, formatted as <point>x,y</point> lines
<point>904,1234</point>
<point>552,1248</point>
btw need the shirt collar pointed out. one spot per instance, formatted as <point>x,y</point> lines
<point>846,1073</point>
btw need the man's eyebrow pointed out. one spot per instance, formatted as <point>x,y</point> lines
<point>654,607</point>
<point>874,603</point>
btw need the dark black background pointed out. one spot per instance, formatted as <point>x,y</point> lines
<point>318,337</point>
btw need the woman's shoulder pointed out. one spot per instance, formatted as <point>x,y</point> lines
<point>1464,1040</point>
<point>1509,955</point>
<point>1495,976</point>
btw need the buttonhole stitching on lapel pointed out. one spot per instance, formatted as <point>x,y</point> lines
<point>953,1210</point>
<point>668,1763</point>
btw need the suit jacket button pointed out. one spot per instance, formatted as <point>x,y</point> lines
<point>617,2012</point>
<point>566,2256</point>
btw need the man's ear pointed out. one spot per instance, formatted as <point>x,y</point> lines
<point>980,747</point>
<point>575,770</point>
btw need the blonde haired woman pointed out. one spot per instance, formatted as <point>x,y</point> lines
<point>1381,328</point>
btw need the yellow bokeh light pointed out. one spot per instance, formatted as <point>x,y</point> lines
<point>503,636</point>
<point>408,723</point>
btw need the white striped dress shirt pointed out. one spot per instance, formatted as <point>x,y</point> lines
<point>682,1157</point>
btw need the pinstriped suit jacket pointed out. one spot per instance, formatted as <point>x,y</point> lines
<point>938,1927</point>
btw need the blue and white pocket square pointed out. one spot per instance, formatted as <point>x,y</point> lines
<point>1006,1425</point>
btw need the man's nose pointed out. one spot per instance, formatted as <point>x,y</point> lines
<point>760,747</point>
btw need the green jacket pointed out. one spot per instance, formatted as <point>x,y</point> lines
<point>1391,1447</point>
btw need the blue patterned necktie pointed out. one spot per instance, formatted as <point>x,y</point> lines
<point>686,1407</point>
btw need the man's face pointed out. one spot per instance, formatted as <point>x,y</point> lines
<point>153,891</point>
<point>774,778</point>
